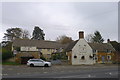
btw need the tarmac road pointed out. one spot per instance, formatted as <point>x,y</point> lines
<point>61,71</point>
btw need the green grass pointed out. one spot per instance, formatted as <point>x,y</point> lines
<point>10,63</point>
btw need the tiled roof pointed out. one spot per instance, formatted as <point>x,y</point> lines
<point>37,43</point>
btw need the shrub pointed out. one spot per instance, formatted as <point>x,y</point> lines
<point>43,58</point>
<point>6,54</point>
<point>59,56</point>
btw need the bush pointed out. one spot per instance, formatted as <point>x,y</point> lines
<point>43,58</point>
<point>56,56</point>
<point>6,54</point>
<point>59,56</point>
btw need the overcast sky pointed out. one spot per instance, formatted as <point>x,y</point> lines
<point>62,18</point>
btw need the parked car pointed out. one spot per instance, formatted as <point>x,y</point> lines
<point>38,62</point>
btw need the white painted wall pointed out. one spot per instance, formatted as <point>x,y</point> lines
<point>48,51</point>
<point>44,51</point>
<point>23,48</point>
<point>82,48</point>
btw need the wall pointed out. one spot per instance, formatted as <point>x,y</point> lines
<point>82,48</point>
<point>47,52</point>
<point>105,60</point>
<point>28,48</point>
<point>26,54</point>
<point>69,54</point>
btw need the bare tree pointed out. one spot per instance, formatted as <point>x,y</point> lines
<point>89,38</point>
<point>25,34</point>
<point>64,39</point>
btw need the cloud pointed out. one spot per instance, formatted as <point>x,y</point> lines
<point>58,18</point>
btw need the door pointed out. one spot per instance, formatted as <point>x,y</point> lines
<point>103,59</point>
<point>40,63</point>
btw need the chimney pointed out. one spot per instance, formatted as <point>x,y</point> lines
<point>108,40</point>
<point>81,35</point>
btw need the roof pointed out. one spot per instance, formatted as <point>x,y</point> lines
<point>70,46</point>
<point>101,46</point>
<point>94,46</point>
<point>37,43</point>
<point>116,45</point>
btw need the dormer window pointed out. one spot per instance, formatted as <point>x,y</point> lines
<point>109,51</point>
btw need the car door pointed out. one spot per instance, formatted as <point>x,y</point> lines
<point>40,63</point>
<point>36,63</point>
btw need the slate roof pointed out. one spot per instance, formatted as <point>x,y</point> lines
<point>38,43</point>
<point>101,46</point>
<point>70,46</point>
<point>95,46</point>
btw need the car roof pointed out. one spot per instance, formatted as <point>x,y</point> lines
<point>35,59</point>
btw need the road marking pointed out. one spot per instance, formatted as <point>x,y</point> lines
<point>78,76</point>
<point>109,73</point>
<point>91,76</point>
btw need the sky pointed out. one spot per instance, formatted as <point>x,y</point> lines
<point>62,18</point>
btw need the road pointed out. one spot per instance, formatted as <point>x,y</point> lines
<point>101,71</point>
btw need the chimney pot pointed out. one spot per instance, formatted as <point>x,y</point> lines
<point>81,34</point>
<point>108,40</point>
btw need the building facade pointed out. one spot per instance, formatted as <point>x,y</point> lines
<point>25,49</point>
<point>81,52</point>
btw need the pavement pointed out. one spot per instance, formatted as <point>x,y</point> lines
<point>61,71</point>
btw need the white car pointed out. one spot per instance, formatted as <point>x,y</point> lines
<point>38,62</point>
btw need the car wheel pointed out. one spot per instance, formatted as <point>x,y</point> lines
<point>31,65</point>
<point>46,65</point>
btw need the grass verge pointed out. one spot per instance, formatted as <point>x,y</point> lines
<point>10,63</point>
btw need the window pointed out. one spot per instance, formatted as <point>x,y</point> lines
<point>83,57</point>
<point>94,56</point>
<point>90,57</point>
<point>75,56</point>
<point>109,51</point>
<point>48,49</point>
<point>94,51</point>
<point>109,57</point>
